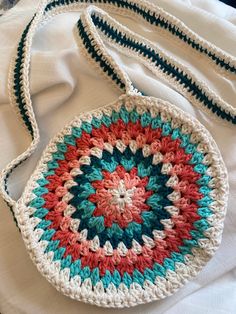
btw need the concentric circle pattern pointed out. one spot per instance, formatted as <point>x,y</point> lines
<point>126,204</point>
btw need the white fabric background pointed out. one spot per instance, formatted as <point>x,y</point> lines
<point>64,84</point>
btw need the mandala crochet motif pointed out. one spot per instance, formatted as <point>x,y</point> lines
<point>125,204</point>
<point>128,201</point>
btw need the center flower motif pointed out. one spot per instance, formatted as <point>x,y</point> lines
<point>120,197</point>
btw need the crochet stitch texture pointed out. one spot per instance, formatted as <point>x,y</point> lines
<point>126,204</point>
<point>128,201</point>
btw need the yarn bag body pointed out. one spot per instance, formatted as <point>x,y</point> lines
<point>127,202</point>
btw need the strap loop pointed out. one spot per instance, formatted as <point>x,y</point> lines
<point>96,26</point>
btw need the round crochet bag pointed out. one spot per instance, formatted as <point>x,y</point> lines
<point>127,202</point>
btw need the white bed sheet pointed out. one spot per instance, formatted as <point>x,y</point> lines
<point>63,84</point>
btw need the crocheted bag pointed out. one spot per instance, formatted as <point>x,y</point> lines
<point>127,202</point>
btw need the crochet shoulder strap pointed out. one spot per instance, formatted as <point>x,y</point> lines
<point>96,27</point>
